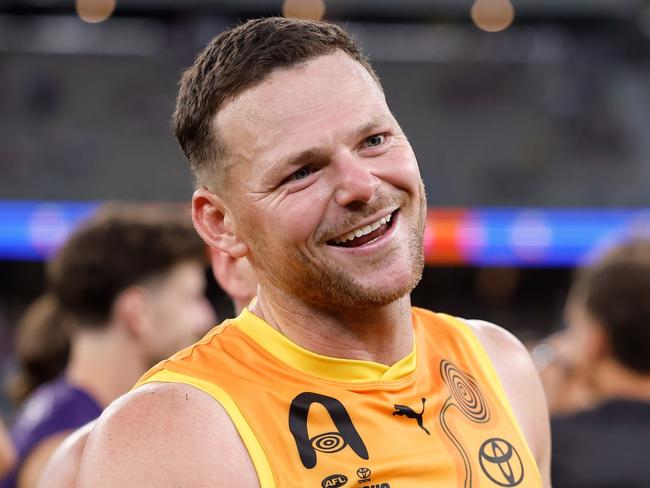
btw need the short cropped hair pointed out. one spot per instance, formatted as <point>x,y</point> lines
<point>120,246</point>
<point>235,60</point>
<point>616,292</point>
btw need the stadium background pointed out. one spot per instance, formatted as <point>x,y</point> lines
<point>533,141</point>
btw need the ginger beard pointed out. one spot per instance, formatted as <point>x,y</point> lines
<point>325,284</point>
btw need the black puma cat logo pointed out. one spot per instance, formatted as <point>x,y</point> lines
<point>409,413</point>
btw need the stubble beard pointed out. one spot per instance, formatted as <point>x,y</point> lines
<point>328,286</point>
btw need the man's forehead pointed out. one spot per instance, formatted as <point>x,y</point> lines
<point>299,93</point>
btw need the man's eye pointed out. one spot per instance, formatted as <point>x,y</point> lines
<point>303,172</point>
<point>376,140</point>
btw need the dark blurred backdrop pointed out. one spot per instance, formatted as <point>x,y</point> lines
<point>553,111</point>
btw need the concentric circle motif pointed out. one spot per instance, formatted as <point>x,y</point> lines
<point>328,442</point>
<point>465,392</point>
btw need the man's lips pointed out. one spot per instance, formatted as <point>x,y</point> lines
<point>364,234</point>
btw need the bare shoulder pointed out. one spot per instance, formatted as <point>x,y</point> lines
<point>514,368</point>
<point>497,341</point>
<point>165,434</point>
<point>522,385</point>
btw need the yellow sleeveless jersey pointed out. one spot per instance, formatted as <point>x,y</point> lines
<point>437,418</point>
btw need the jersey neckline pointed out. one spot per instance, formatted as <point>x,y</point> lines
<point>324,367</point>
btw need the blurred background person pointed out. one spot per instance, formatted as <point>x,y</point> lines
<point>42,349</point>
<point>608,316</point>
<point>564,385</point>
<point>42,346</point>
<point>7,450</point>
<point>238,279</point>
<point>132,279</point>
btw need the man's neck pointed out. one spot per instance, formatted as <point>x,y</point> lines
<point>380,334</point>
<point>103,364</point>
<point>614,381</point>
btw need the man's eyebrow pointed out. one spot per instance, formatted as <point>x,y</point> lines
<point>318,154</point>
<point>372,126</point>
<point>311,154</point>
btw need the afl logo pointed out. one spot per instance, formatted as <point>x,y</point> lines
<point>334,481</point>
<point>501,463</point>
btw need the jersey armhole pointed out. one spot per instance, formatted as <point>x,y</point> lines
<point>252,443</point>
<point>486,364</point>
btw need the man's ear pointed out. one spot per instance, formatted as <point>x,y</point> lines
<point>131,309</point>
<point>213,221</point>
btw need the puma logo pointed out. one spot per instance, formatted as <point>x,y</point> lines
<point>409,413</point>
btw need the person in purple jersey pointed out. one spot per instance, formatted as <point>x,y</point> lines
<point>131,279</point>
<point>55,408</point>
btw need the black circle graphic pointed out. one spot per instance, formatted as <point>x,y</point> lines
<point>501,462</point>
<point>363,473</point>
<point>465,392</point>
<point>328,442</point>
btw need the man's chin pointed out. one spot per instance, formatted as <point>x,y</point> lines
<point>336,288</point>
<point>357,296</point>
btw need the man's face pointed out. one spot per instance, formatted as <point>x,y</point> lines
<point>180,312</point>
<point>323,186</point>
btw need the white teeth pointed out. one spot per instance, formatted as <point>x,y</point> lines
<point>362,231</point>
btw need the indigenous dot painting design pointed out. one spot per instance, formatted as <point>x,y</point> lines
<point>465,395</point>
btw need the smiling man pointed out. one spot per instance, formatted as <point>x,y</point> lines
<point>330,378</point>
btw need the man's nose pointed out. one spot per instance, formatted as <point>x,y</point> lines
<point>355,180</point>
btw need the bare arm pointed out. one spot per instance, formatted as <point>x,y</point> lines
<point>33,466</point>
<point>62,469</point>
<point>166,435</point>
<point>523,388</point>
<point>7,451</point>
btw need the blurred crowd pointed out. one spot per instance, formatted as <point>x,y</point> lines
<point>596,374</point>
<point>127,289</point>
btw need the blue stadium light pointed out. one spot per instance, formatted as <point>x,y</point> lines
<point>34,230</point>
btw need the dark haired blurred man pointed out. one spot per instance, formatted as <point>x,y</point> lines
<point>608,313</point>
<point>302,169</point>
<point>132,280</point>
<point>238,280</point>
